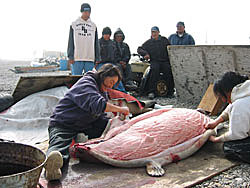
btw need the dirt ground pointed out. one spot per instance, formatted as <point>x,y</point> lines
<point>8,83</point>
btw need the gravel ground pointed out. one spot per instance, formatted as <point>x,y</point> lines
<point>234,177</point>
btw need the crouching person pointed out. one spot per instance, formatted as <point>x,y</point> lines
<point>82,110</point>
<point>234,89</point>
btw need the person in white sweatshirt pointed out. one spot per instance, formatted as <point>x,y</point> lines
<point>83,45</point>
<point>234,89</point>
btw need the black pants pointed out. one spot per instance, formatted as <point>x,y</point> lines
<point>154,75</point>
<point>238,149</point>
<point>126,73</point>
<point>61,137</point>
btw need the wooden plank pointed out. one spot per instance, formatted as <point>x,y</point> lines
<point>30,69</point>
<point>32,84</point>
<point>209,102</point>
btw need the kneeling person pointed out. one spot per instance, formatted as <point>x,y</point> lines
<point>82,110</point>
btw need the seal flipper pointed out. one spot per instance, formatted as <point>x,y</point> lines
<point>154,169</point>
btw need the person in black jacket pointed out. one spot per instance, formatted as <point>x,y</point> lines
<point>155,50</point>
<point>107,49</point>
<point>122,56</point>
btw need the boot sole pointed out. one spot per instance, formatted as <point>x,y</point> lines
<point>53,166</point>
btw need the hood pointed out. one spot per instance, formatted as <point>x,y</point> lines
<point>119,31</point>
<point>240,91</point>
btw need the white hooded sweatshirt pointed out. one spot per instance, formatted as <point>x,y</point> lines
<point>239,113</point>
<point>84,39</point>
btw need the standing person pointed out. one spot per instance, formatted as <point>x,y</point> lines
<point>181,37</point>
<point>83,45</point>
<point>106,48</point>
<point>122,56</point>
<point>234,89</point>
<point>155,50</point>
<point>107,53</point>
<point>82,110</point>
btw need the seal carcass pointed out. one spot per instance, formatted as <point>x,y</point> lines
<point>152,139</point>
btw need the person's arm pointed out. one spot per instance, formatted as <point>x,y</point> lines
<point>97,48</point>
<point>217,139</point>
<point>222,118</point>
<point>71,46</point>
<point>214,123</point>
<point>141,50</point>
<point>127,54</point>
<point>117,57</point>
<point>191,39</point>
<point>169,39</point>
<point>113,108</point>
<point>238,123</point>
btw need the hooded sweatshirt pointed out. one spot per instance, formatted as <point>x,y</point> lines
<point>121,49</point>
<point>82,105</point>
<point>83,42</point>
<point>239,113</point>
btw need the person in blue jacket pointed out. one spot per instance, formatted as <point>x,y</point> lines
<point>81,110</point>
<point>181,37</point>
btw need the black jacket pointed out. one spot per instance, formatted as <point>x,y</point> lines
<point>157,49</point>
<point>122,51</point>
<point>106,50</point>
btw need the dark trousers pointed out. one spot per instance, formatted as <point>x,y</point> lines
<point>126,73</point>
<point>61,137</point>
<point>154,75</point>
<point>238,149</point>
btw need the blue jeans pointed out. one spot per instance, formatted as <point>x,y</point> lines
<point>80,67</point>
<point>119,86</point>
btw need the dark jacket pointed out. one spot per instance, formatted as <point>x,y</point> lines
<point>106,50</point>
<point>121,51</point>
<point>186,39</point>
<point>82,105</point>
<point>157,49</point>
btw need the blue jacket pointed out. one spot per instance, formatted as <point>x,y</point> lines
<point>82,105</point>
<point>186,39</point>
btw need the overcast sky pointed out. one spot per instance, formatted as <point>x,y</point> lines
<point>29,26</point>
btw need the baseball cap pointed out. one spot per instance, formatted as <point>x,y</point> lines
<point>85,7</point>
<point>180,24</point>
<point>155,28</point>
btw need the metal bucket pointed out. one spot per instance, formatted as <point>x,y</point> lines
<point>20,165</point>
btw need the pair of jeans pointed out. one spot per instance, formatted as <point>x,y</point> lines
<point>81,67</point>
